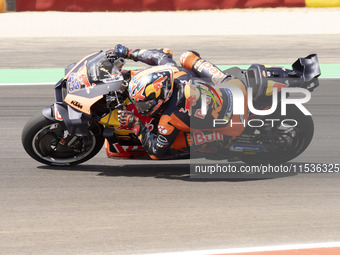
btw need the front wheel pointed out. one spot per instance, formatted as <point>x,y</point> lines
<point>49,142</point>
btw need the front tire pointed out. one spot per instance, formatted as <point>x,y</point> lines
<point>43,139</point>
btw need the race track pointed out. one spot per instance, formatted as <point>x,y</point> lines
<point>106,206</point>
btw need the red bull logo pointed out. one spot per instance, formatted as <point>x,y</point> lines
<point>272,84</point>
<point>83,80</point>
<point>192,94</point>
<point>201,138</point>
<point>189,103</point>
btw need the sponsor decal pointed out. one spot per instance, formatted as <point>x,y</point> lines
<point>164,127</point>
<point>124,148</point>
<point>109,80</point>
<point>76,104</point>
<point>57,114</point>
<point>73,83</point>
<point>241,147</point>
<point>82,76</point>
<point>217,75</point>
<point>148,123</point>
<point>162,141</point>
<point>189,103</point>
<point>79,80</point>
<point>273,84</point>
<point>62,141</point>
<point>198,63</point>
<point>201,138</point>
<point>192,94</point>
<point>207,101</point>
<point>184,56</point>
<point>162,130</point>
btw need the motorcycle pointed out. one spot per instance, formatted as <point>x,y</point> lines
<point>84,115</point>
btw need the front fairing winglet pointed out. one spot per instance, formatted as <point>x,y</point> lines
<point>76,122</point>
<point>48,113</point>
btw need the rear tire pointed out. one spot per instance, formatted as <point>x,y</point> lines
<point>42,140</point>
<point>301,135</point>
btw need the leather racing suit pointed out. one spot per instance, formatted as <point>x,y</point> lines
<point>182,125</point>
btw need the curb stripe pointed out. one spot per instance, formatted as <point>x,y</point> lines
<point>329,248</point>
<point>322,3</point>
<point>170,5</point>
<point>2,6</point>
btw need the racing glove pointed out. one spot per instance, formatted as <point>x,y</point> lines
<point>129,119</point>
<point>120,51</point>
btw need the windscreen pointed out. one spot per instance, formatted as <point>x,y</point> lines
<point>100,69</point>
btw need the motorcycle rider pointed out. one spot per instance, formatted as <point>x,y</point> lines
<point>173,94</point>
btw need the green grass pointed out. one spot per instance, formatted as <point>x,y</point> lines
<point>52,75</point>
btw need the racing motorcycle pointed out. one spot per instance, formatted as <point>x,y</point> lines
<point>84,115</point>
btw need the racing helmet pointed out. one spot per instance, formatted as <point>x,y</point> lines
<point>151,88</point>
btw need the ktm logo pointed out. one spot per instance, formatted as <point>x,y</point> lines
<point>77,104</point>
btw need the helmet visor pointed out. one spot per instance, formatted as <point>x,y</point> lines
<point>144,107</point>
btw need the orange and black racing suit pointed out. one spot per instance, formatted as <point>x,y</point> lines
<point>182,125</point>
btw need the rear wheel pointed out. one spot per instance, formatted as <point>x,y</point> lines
<point>49,142</point>
<point>293,140</point>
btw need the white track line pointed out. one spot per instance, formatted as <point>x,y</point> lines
<point>27,84</point>
<point>255,249</point>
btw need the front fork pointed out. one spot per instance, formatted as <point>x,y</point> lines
<point>76,122</point>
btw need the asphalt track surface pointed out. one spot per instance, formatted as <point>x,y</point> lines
<point>107,206</point>
<point>50,52</point>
